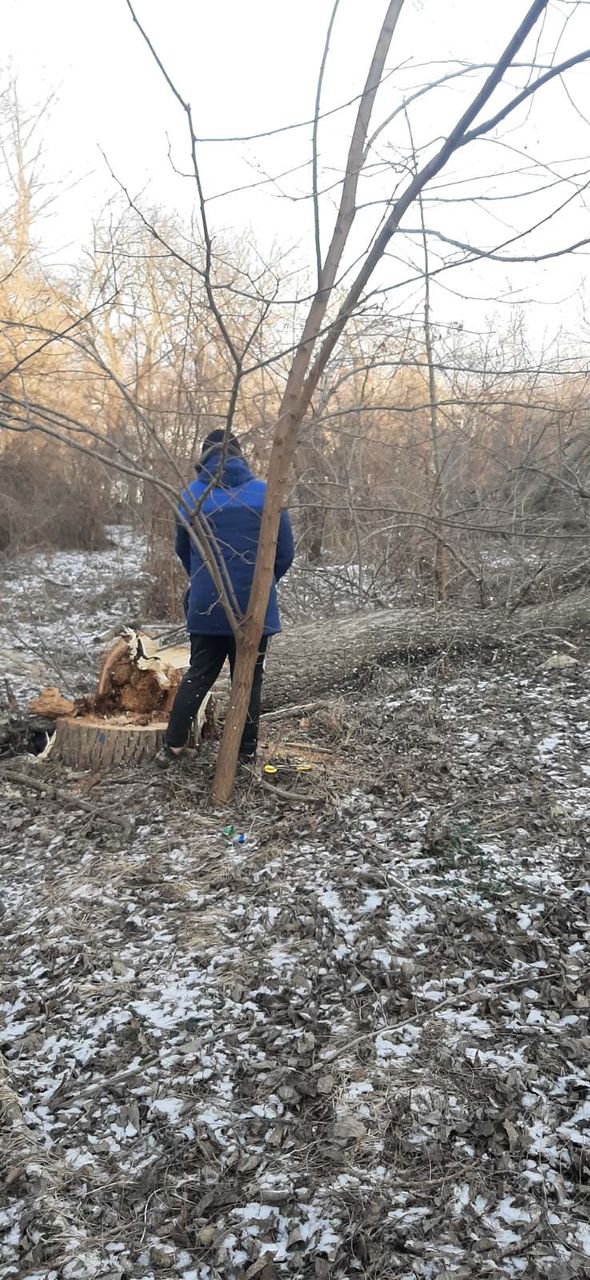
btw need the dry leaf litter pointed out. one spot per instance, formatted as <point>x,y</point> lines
<point>355,1044</point>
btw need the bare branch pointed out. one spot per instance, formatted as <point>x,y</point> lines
<point>531,88</point>
<point>421,179</point>
<point>316,118</point>
<point>201,195</point>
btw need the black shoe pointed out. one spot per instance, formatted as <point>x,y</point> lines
<point>166,756</point>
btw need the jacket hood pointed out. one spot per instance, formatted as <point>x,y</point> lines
<point>235,472</point>
<point>216,441</point>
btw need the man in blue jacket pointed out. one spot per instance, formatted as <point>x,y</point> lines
<point>232,501</point>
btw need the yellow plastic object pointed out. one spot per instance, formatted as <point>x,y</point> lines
<point>269,768</point>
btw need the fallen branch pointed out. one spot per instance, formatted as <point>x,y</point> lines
<point>11,701</point>
<point>282,792</point>
<point>64,798</point>
<point>301,796</point>
<point>283,712</point>
<point>62,1097</point>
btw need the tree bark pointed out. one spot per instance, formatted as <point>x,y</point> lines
<point>304,376</point>
<point>308,661</point>
<point>439,496</point>
<point>91,742</point>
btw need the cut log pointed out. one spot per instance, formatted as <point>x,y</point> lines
<point>306,662</point>
<point>125,721</point>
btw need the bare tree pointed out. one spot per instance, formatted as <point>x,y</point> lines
<point>308,365</point>
<point>250,346</point>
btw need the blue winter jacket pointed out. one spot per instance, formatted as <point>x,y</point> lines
<point>233,510</point>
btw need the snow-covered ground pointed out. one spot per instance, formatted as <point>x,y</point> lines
<point>356,1044</point>
<point>58,610</point>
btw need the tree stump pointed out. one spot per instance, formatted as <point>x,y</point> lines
<point>102,742</point>
<point>124,721</point>
<point>95,742</point>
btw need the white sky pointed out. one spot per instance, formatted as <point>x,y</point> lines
<point>252,66</point>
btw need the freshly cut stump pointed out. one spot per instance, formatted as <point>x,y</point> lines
<point>99,742</point>
<point>125,720</point>
<point>92,742</point>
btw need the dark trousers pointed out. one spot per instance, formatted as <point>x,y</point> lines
<point>208,654</point>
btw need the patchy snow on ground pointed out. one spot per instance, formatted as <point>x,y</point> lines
<point>58,610</point>
<point>356,1044</point>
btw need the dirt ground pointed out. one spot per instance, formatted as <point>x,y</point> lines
<point>338,1036</point>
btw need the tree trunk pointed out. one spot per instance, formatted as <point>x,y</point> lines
<point>296,399</point>
<point>439,497</point>
<point>308,661</point>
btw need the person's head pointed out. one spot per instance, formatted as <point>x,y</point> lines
<point>218,442</point>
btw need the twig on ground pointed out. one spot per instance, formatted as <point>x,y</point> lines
<point>64,798</point>
<point>473,996</point>
<point>300,796</point>
<point>282,792</point>
<point>59,1099</point>
<point>62,1097</point>
<point>294,710</point>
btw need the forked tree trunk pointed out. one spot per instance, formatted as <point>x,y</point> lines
<point>304,375</point>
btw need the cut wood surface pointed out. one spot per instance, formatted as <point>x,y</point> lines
<point>51,704</point>
<point>101,742</point>
<point>118,650</point>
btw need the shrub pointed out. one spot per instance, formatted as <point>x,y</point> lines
<point>49,499</point>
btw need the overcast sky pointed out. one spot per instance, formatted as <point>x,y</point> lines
<point>250,67</point>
